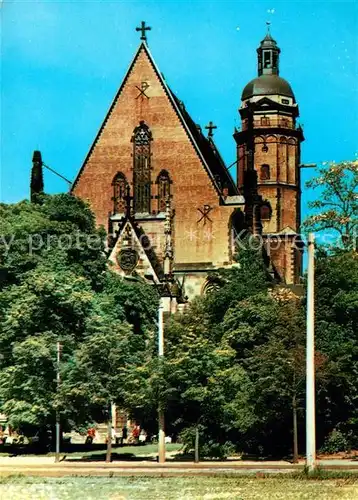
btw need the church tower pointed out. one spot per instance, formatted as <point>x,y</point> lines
<point>270,140</point>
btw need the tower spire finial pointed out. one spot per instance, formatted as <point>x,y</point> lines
<point>143,28</point>
<point>268,54</point>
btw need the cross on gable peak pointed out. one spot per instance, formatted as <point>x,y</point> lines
<point>210,127</point>
<point>143,28</point>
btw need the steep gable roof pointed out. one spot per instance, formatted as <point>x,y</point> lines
<point>204,147</point>
<point>208,150</point>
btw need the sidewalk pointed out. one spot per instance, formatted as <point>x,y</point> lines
<point>46,466</point>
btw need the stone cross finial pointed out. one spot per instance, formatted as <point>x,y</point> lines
<point>210,126</point>
<point>143,28</point>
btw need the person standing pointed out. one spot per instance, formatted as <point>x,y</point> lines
<point>124,434</point>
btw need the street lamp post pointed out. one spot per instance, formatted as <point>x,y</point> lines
<point>58,423</point>
<point>310,368</point>
<point>161,431</point>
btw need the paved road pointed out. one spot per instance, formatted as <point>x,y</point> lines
<point>45,466</point>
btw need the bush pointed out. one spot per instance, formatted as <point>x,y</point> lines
<point>211,449</point>
<point>336,441</point>
<point>208,448</point>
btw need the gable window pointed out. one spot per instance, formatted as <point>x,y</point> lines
<point>141,139</point>
<point>163,181</point>
<point>265,172</point>
<point>119,192</point>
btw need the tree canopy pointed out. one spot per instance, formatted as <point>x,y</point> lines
<point>336,209</point>
<point>56,287</point>
<point>234,359</point>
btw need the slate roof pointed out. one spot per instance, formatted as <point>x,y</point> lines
<point>267,85</point>
<point>208,150</point>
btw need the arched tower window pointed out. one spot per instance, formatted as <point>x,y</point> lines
<point>119,192</point>
<point>163,181</point>
<point>265,211</point>
<point>141,139</point>
<point>265,172</point>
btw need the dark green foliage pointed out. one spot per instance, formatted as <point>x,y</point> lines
<point>60,232</point>
<point>234,364</point>
<point>56,287</point>
<point>130,301</point>
<point>201,381</point>
<point>235,360</point>
<point>336,441</point>
<point>336,338</point>
<point>248,277</point>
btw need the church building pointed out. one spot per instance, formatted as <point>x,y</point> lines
<point>157,183</point>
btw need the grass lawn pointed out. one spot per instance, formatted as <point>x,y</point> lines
<point>138,451</point>
<point>178,488</point>
<point>77,451</point>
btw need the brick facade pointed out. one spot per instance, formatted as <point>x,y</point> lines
<point>203,198</point>
<point>198,246</point>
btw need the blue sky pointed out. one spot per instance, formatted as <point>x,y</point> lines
<point>62,63</point>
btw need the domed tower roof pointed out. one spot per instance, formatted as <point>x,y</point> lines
<point>267,85</point>
<point>268,81</point>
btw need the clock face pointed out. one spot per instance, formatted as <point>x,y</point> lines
<point>127,259</point>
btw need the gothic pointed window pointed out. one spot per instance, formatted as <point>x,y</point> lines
<point>163,181</point>
<point>141,139</point>
<point>119,192</point>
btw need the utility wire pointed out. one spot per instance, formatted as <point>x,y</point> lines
<point>56,173</point>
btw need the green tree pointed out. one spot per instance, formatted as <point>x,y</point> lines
<point>336,300</point>
<point>267,333</point>
<point>56,287</point>
<point>107,366</point>
<point>337,206</point>
<point>200,382</point>
<point>203,384</point>
<point>60,229</point>
<point>336,337</point>
<point>247,277</point>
